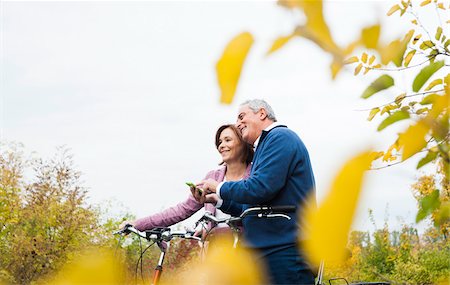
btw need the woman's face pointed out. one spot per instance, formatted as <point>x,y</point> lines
<point>229,146</point>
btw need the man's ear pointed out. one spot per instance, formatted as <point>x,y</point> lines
<point>262,114</point>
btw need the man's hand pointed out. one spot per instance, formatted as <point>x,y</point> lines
<point>209,187</point>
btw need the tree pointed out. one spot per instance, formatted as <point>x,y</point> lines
<point>46,220</point>
<point>424,105</point>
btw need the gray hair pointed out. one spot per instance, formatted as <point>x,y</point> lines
<point>256,104</point>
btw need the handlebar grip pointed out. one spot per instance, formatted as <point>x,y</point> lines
<point>284,209</point>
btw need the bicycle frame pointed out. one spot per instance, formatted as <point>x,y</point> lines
<point>319,280</point>
<point>162,237</point>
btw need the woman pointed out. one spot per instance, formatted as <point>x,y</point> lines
<point>236,162</point>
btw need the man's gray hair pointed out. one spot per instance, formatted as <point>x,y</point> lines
<point>256,104</point>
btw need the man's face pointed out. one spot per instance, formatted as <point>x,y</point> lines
<point>249,123</point>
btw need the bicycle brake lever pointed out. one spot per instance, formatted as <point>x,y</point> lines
<point>274,216</point>
<point>123,230</point>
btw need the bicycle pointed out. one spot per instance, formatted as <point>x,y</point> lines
<point>162,237</point>
<point>320,281</point>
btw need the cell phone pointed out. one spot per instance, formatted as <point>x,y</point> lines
<point>190,184</point>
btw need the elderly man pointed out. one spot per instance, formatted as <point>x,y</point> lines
<point>281,175</point>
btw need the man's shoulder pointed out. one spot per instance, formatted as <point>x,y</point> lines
<point>284,131</point>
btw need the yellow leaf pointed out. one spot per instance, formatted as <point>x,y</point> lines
<point>413,139</point>
<point>434,83</point>
<point>316,29</point>
<point>395,50</point>
<point>440,104</point>
<point>328,225</point>
<point>372,58</point>
<point>350,60</point>
<point>441,6</point>
<point>366,69</point>
<point>414,22</point>
<point>408,57</point>
<point>364,57</point>
<point>97,267</point>
<point>373,112</point>
<point>426,2</point>
<point>422,110</point>
<point>336,66</point>
<point>279,43</point>
<point>393,9</point>
<point>229,66</point>
<point>388,155</point>
<point>376,155</point>
<point>370,36</point>
<point>358,68</point>
<point>400,98</point>
<point>416,38</point>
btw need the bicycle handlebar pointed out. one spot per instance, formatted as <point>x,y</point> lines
<point>260,211</point>
<point>157,234</point>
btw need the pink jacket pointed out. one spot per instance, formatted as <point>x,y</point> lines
<point>184,209</point>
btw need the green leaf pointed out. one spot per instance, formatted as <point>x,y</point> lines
<point>425,74</point>
<point>395,117</point>
<point>431,155</point>
<point>429,99</point>
<point>438,33</point>
<point>428,204</point>
<point>426,45</point>
<point>381,83</point>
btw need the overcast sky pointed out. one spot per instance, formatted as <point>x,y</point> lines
<point>130,88</point>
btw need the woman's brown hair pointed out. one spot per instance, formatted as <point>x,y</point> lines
<point>247,156</point>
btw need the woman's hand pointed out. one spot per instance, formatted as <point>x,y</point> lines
<point>125,223</point>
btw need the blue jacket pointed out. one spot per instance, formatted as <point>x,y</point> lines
<point>281,175</point>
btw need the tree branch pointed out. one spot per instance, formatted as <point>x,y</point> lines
<point>406,96</point>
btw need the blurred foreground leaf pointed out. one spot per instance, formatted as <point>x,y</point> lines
<point>92,268</point>
<point>225,265</point>
<point>328,225</point>
<point>413,139</point>
<point>229,66</point>
<point>427,205</point>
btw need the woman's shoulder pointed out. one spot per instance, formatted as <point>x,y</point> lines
<point>216,173</point>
